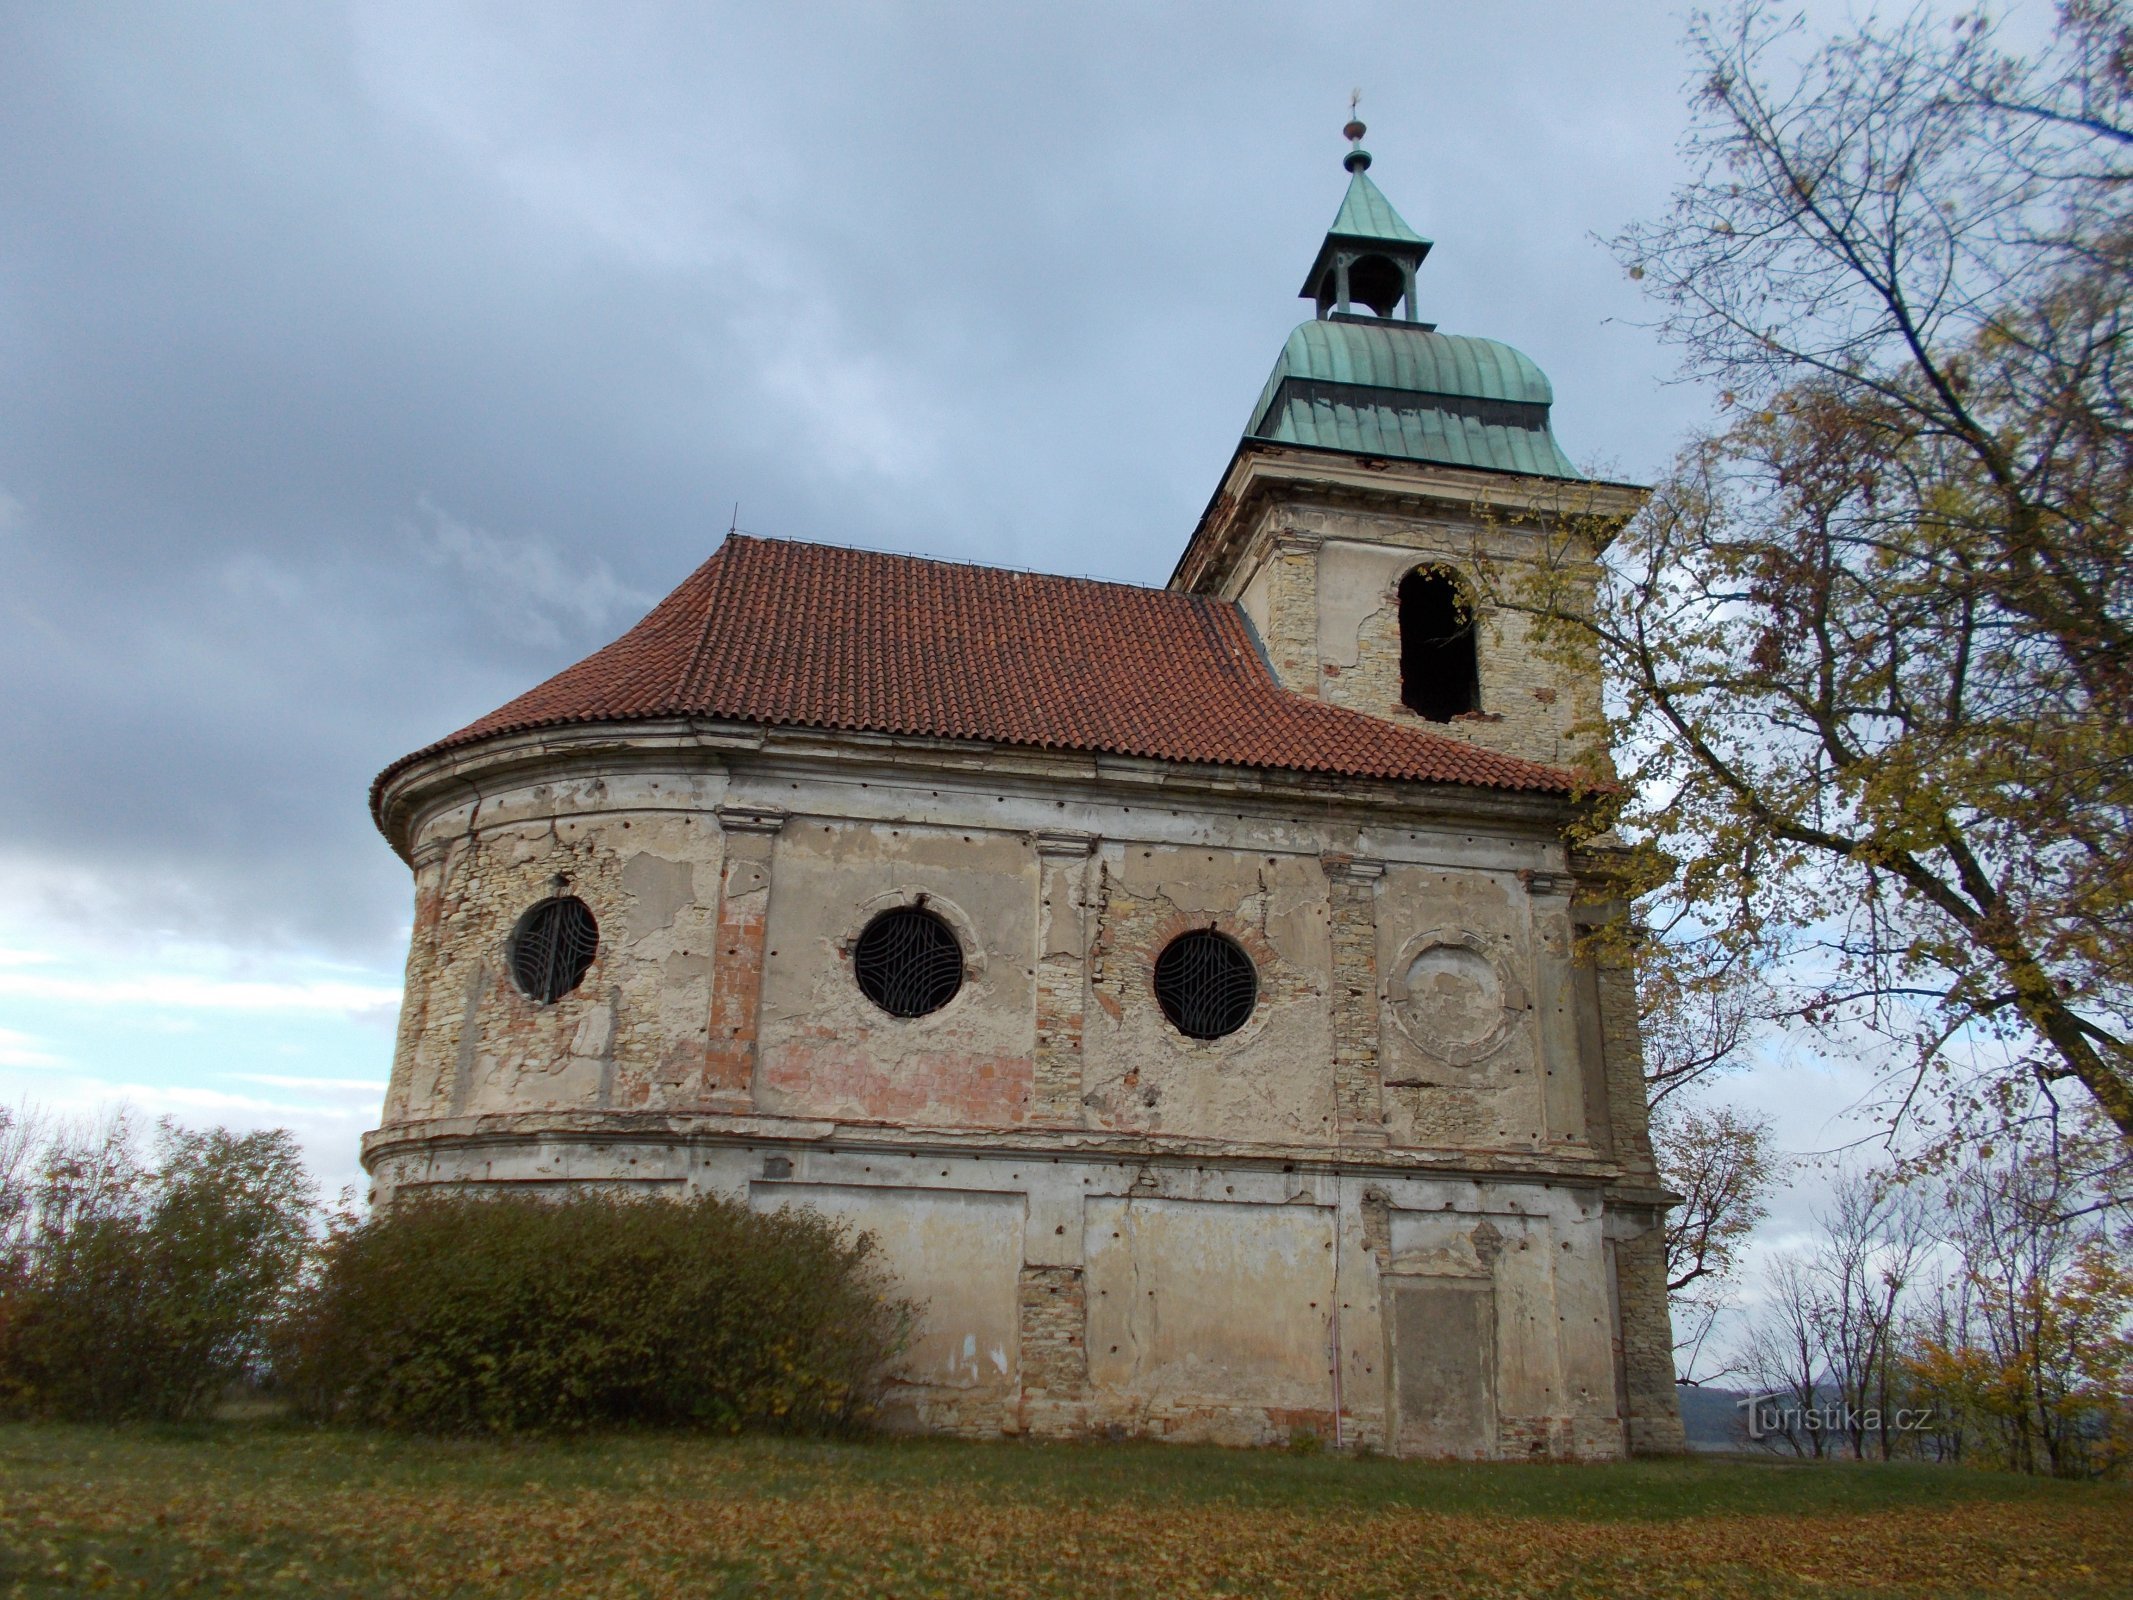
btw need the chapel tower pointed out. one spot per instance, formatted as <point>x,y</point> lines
<point>1384,464</point>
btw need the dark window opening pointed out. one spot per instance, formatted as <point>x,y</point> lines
<point>1205,984</point>
<point>1377,283</point>
<point>552,948</point>
<point>908,962</point>
<point>1439,675</point>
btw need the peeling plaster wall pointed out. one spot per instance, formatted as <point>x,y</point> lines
<point>1210,1316</point>
<point>642,1030</point>
<point>644,854</point>
<point>1268,1081</point>
<point>828,1051</point>
<point>1068,1295</point>
<point>1460,1045</point>
<point>958,1253</point>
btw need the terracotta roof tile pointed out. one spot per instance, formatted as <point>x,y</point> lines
<point>807,635</point>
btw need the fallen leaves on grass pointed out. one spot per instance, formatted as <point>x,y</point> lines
<point>703,1532</point>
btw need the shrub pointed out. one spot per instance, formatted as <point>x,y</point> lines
<point>138,1290</point>
<point>475,1312</point>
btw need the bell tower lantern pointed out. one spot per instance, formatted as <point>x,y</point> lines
<point>1370,254</point>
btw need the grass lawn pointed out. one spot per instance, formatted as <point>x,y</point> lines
<point>258,1508</point>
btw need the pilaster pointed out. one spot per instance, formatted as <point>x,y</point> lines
<point>1053,1322</point>
<point>737,956</point>
<point>1651,1412</point>
<point>1600,920</point>
<point>1358,1092</point>
<point>1062,982</point>
<point>1292,610</point>
<point>1568,1048</point>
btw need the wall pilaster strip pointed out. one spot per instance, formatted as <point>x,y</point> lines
<point>1569,1048</point>
<point>1358,1085</point>
<point>1292,614</point>
<point>1614,989</point>
<point>1062,981</point>
<point>737,957</point>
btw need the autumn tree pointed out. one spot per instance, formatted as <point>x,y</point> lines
<point>1698,1013</point>
<point>143,1287</point>
<point>2025,1355</point>
<point>1721,1165</point>
<point>1872,638</point>
<point>1872,1252</point>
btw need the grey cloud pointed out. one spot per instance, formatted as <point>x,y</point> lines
<point>523,584</point>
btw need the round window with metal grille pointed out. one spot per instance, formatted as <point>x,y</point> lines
<point>908,962</point>
<point>552,947</point>
<point>1205,984</point>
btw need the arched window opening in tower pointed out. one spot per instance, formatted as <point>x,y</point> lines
<point>1440,678</point>
<point>552,948</point>
<point>1376,282</point>
<point>908,962</point>
<point>1205,984</point>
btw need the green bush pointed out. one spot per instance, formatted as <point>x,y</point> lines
<point>472,1312</point>
<point>136,1290</point>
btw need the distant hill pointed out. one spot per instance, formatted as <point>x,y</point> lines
<point>1711,1419</point>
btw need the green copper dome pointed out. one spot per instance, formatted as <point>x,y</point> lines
<point>1394,386</point>
<point>1385,388</point>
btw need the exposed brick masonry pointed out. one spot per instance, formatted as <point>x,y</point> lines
<point>1052,1309</point>
<point>737,957</point>
<point>1356,1075</point>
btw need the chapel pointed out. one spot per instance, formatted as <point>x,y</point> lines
<point>1186,987</point>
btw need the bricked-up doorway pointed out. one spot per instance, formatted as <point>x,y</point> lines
<point>1441,1337</point>
<point>1439,675</point>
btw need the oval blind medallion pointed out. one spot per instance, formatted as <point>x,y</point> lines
<point>1453,998</point>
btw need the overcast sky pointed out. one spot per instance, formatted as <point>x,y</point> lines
<point>362,365</point>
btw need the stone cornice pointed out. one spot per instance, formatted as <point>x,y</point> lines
<point>707,1128</point>
<point>1261,472</point>
<point>1064,845</point>
<point>472,773</point>
<point>1356,869</point>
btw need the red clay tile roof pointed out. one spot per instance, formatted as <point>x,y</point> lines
<point>808,635</point>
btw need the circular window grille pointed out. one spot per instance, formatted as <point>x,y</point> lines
<point>1205,984</point>
<point>908,962</point>
<point>552,947</point>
